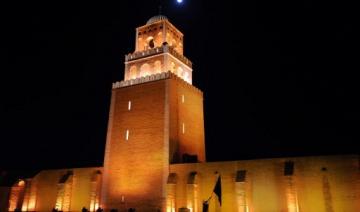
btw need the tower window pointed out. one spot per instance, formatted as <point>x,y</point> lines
<point>182,98</point>
<point>151,43</point>
<point>129,105</point>
<point>127,135</point>
<point>183,128</point>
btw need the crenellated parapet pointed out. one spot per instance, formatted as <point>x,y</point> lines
<point>151,78</point>
<point>145,53</point>
<point>181,57</point>
<point>158,50</point>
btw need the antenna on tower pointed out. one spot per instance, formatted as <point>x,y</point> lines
<point>160,3</point>
<point>160,8</point>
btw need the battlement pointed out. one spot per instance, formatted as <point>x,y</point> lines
<point>154,77</point>
<point>158,50</point>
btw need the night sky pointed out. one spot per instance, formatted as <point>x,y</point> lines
<point>279,79</point>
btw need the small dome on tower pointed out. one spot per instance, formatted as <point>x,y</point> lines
<point>156,19</point>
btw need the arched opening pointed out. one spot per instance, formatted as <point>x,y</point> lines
<point>95,191</point>
<point>16,195</point>
<point>145,70</point>
<point>193,192</point>
<point>171,193</point>
<point>157,66</point>
<point>29,196</point>
<point>150,42</point>
<point>132,72</point>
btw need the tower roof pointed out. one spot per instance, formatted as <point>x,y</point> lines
<point>156,19</point>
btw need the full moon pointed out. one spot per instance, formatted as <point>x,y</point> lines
<point>179,1</point>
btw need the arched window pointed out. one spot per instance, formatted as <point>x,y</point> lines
<point>193,192</point>
<point>132,72</point>
<point>95,191</point>
<point>150,42</point>
<point>145,70</point>
<point>157,66</point>
<point>16,195</point>
<point>171,193</point>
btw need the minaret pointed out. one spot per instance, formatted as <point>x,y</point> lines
<point>156,119</point>
<point>159,48</point>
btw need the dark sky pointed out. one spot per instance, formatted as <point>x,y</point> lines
<point>279,79</point>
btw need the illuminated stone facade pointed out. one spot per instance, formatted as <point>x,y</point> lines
<point>155,153</point>
<point>159,48</point>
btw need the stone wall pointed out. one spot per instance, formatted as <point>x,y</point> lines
<point>328,183</point>
<point>186,121</point>
<point>136,157</point>
<point>49,187</point>
<point>151,124</point>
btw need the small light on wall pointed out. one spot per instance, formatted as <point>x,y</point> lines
<point>183,128</point>
<point>21,183</point>
<point>127,135</point>
<point>182,98</point>
<point>129,105</point>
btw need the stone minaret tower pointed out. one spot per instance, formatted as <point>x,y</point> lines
<point>156,119</point>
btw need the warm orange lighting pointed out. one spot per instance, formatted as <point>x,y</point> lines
<point>172,67</point>
<point>170,209</point>
<point>145,70</point>
<point>157,66</point>
<point>180,72</point>
<point>63,200</point>
<point>15,194</point>
<point>291,196</point>
<point>31,205</point>
<point>133,72</point>
<point>21,183</point>
<point>95,191</point>
<point>92,205</point>
<point>193,197</point>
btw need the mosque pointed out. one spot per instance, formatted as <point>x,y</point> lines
<point>155,154</point>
